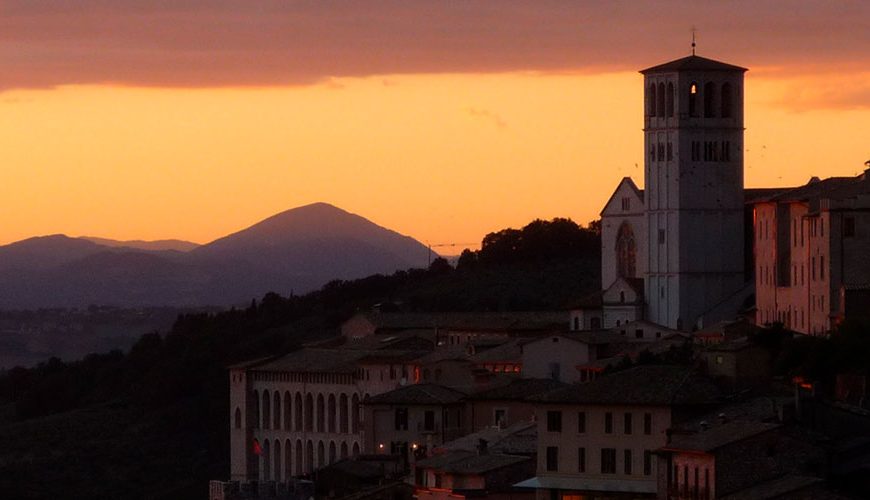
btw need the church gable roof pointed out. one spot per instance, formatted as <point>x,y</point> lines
<point>634,287</point>
<point>625,185</point>
<point>692,63</point>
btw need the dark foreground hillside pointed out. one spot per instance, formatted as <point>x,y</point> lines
<point>153,422</point>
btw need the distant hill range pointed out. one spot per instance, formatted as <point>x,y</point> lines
<point>294,251</point>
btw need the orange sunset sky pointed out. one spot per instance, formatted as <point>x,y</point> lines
<point>191,119</point>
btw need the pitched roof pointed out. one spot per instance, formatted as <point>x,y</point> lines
<point>590,301</point>
<point>641,385</point>
<point>728,424</point>
<point>582,336</point>
<point>418,394</point>
<point>719,435</point>
<point>519,389</point>
<point>693,63</point>
<point>313,360</point>
<point>625,180</point>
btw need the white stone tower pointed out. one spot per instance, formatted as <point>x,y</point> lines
<point>693,172</point>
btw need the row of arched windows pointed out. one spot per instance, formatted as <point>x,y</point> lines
<point>290,413</point>
<point>278,462</point>
<point>718,101</point>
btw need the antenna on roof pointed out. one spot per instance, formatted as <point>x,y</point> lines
<point>694,30</point>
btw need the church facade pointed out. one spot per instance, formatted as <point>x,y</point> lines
<point>673,253</point>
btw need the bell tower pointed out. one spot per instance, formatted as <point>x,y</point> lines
<point>693,173</point>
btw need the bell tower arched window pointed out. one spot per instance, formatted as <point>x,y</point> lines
<point>626,251</point>
<point>709,100</point>
<point>660,106</point>
<point>693,99</point>
<point>651,100</point>
<point>726,100</point>
<point>670,100</point>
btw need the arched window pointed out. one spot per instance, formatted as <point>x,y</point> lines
<point>622,297</point>
<point>651,100</point>
<point>726,100</point>
<point>309,412</point>
<point>355,449</point>
<point>297,402</point>
<point>278,460</point>
<point>288,412</point>
<point>255,460</point>
<point>299,455</point>
<point>576,323</point>
<point>670,100</point>
<point>238,419</point>
<point>309,456</point>
<point>660,106</point>
<point>256,403</point>
<point>693,99</point>
<point>288,462</point>
<point>320,413</point>
<point>331,452</point>
<point>321,454</point>
<point>267,414</point>
<point>354,412</point>
<point>331,413</point>
<point>267,461</point>
<point>709,100</point>
<point>342,414</point>
<point>276,408</point>
<point>626,251</point>
<point>343,450</point>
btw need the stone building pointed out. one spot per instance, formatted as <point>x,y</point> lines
<point>597,439</point>
<point>811,246</point>
<point>682,235</point>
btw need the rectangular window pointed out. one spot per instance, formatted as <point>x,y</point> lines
<point>554,421</point>
<point>848,227</point>
<point>401,419</point>
<point>647,463</point>
<point>661,152</point>
<point>627,423</point>
<point>581,422</point>
<point>661,236</point>
<point>608,423</point>
<point>670,151</point>
<point>647,423</point>
<point>499,417</point>
<point>608,460</point>
<point>626,461</point>
<point>552,458</point>
<point>581,459</point>
<point>652,152</point>
<point>821,267</point>
<point>429,420</point>
<point>638,333</point>
<point>555,371</point>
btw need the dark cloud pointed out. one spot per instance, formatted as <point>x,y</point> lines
<point>196,43</point>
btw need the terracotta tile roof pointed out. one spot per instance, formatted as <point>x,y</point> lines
<point>312,360</point>
<point>418,394</point>
<point>520,438</point>
<point>519,389</point>
<point>641,385</point>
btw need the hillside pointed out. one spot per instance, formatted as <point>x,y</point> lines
<point>165,401</point>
